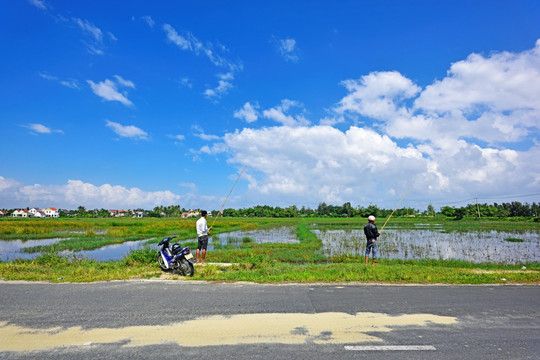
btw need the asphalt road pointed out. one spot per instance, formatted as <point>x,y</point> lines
<point>176,319</point>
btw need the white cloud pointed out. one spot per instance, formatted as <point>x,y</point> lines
<point>190,186</point>
<point>224,85</point>
<point>94,38</point>
<point>89,28</point>
<point>48,76</point>
<point>208,137</point>
<point>41,129</point>
<point>280,113</point>
<point>78,193</point>
<point>483,100</point>
<point>149,21</point>
<point>108,89</point>
<point>124,82</point>
<point>127,131</point>
<point>308,165</point>
<point>189,42</point>
<point>319,163</point>
<point>376,95</point>
<point>7,184</point>
<point>249,113</point>
<point>288,50</point>
<point>491,99</point>
<point>185,82</point>
<point>73,84</point>
<point>179,137</point>
<point>40,4</point>
<point>177,39</point>
<point>96,44</point>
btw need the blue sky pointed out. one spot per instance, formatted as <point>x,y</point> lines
<point>137,104</point>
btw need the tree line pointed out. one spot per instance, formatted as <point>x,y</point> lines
<point>504,210</point>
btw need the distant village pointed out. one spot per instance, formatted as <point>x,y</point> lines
<point>52,212</point>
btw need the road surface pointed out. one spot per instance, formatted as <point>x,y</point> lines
<point>185,319</point>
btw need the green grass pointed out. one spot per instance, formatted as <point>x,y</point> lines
<point>265,263</point>
<point>513,240</point>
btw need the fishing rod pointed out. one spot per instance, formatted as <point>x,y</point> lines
<point>403,197</point>
<point>222,206</point>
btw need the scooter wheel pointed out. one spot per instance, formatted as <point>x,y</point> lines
<point>187,268</point>
<point>161,262</point>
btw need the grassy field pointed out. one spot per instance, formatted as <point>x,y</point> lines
<point>265,263</point>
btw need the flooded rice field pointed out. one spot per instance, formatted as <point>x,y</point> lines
<point>510,247</point>
<point>14,249</point>
<point>282,235</point>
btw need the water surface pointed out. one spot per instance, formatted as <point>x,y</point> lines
<point>473,246</point>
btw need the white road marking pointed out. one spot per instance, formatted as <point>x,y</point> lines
<point>391,348</point>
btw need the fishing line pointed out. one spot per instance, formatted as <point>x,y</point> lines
<point>222,206</point>
<point>403,197</point>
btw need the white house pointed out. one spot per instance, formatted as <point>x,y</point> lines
<point>138,214</point>
<point>20,213</point>
<point>51,212</point>
<point>117,213</point>
<point>36,212</point>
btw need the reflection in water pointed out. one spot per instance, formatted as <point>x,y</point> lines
<point>111,252</point>
<point>474,246</point>
<point>283,235</point>
<point>10,250</point>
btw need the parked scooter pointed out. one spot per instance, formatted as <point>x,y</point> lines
<point>178,259</point>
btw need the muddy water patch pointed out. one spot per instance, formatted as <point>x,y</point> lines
<point>284,328</point>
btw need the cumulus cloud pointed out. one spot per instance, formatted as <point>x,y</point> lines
<point>223,87</point>
<point>282,113</point>
<point>129,131</point>
<point>78,193</point>
<point>491,99</point>
<point>320,162</point>
<point>7,184</point>
<point>460,137</point>
<point>248,112</point>
<point>108,89</point>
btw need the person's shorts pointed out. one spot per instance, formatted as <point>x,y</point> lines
<point>203,242</point>
<point>371,245</point>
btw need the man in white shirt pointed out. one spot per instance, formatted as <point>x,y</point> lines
<point>202,235</point>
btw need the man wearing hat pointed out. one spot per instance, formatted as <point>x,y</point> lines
<point>202,235</point>
<point>371,235</point>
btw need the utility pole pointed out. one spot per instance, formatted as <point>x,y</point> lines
<point>477,207</point>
